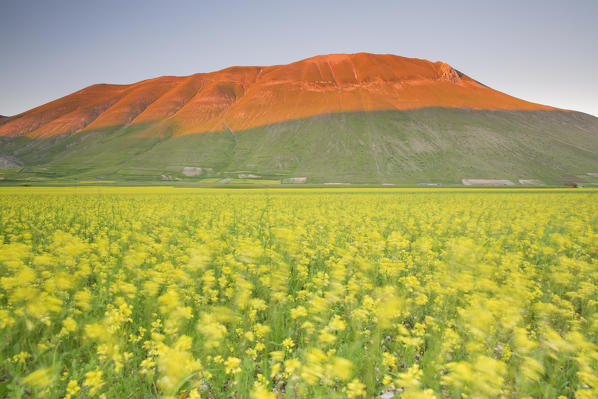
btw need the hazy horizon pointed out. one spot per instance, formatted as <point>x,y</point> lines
<point>540,51</point>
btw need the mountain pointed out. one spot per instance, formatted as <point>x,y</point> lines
<point>359,118</point>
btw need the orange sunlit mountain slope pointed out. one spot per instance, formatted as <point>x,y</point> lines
<point>244,97</point>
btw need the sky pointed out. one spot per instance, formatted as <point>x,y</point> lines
<point>539,50</point>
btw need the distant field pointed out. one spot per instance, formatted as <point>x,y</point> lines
<point>163,292</point>
<point>254,181</point>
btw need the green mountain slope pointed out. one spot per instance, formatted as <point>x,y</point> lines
<point>426,145</point>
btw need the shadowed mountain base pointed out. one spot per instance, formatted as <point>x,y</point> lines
<point>427,145</point>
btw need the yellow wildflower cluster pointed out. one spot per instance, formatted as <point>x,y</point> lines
<point>203,293</point>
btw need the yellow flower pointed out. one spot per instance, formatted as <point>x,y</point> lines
<point>93,380</point>
<point>288,344</point>
<point>68,325</point>
<point>83,300</point>
<point>355,389</point>
<point>71,389</point>
<point>410,378</point>
<point>41,378</point>
<point>341,368</point>
<point>232,365</point>
<point>421,299</point>
<point>261,330</point>
<point>298,312</point>
<point>389,360</point>
<point>292,366</point>
<point>337,324</point>
<point>175,363</point>
<point>277,356</point>
<point>260,392</point>
<point>326,338</point>
<point>21,357</point>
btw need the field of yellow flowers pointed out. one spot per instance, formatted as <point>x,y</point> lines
<point>298,293</point>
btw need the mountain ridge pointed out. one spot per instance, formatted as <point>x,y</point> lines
<point>251,96</point>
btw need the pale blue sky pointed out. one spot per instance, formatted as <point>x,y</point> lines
<point>539,50</point>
